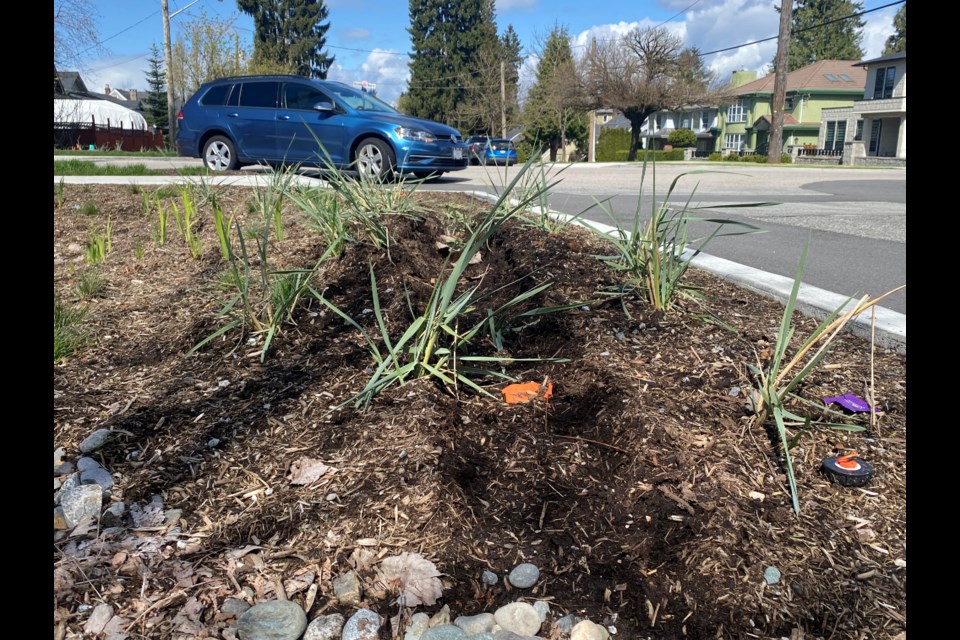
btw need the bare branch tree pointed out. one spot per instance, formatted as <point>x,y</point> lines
<point>75,32</point>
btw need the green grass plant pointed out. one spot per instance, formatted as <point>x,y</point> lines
<point>222,225</point>
<point>87,168</point>
<point>187,222</point>
<point>777,382</point>
<point>151,153</point>
<point>91,284</point>
<point>67,333</point>
<point>656,256</point>
<point>269,199</point>
<point>325,213</point>
<point>58,193</point>
<point>90,209</point>
<point>433,344</point>
<point>99,244</point>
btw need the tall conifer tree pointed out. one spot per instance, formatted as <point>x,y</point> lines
<point>291,34</point>
<point>824,30</point>
<point>155,102</point>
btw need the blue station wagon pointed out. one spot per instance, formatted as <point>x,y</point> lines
<point>276,120</point>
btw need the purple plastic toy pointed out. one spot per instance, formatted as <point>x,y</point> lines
<point>849,402</point>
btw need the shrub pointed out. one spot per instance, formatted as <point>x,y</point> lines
<point>682,138</point>
<point>716,156</point>
<point>613,145</point>
<point>732,157</point>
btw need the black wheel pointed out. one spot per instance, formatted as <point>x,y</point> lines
<point>374,158</point>
<point>220,154</point>
<point>427,175</point>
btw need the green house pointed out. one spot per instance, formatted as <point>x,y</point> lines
<point>745,123</point>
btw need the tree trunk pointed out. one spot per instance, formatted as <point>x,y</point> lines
<point>635,123</point>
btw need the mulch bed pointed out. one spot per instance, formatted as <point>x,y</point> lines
<point>642,489</point>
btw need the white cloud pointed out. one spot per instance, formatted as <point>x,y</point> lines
<point>120,73</point>
<point>878,27</point>
<point>389,71</point>
<point>357,34</point>
<point>507,5</point>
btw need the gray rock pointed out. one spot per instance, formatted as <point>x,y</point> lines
<point>56,484</point>
<point>98,619</point>
<point>63,468</point>
<point>524,575</point>
<point>85,500</point>
<point>473,625</point>
<point>489,577</point>
<point>113,516</point>
<point>586,630</point>
<point>565,624</point>
<point>99,476</point>
<point>444,632</point>
<point>363,625</point>
<point>509,635</point>
<point>419,622</point>
<point>519,617</point>
<point>95,440</point>
<point>57,456</point>
<point>171,516</point>
<point>70,482</point>
<point>347,588</point>
<point>325,627</point>
<point>542,607</point>
<point>272,620</point>
<point>771,575</point>
<point>234,606</point>
<point>85,463</point>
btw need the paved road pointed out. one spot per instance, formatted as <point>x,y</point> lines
<point>855,218</point>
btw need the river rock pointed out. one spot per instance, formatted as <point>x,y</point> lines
<point>542,607</point>
<point>234,607</point>
<point>272,620</point>
<point>477,624</point>
<point>347,588</point>
<point>586,630</point>
<point>419,623</point>
<point>85,500</point>
<point>325,627</point>
<point>86,462</point>
<point>95,440</point>
<point>489,577</point>
<point>363,625</point>
<point>99,476</point>
<point>519,617</point>
<point>444,632</point>
<point>98,619</point>
<point>524,575</point>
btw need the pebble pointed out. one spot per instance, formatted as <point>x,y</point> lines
<point>519,617</point>
<point>444,632</point>
<point>234,606</point>
<point>542,607</point>
<point>586,630</point>
<point>419,622</point>
<point>771,575</point>
<point>325,627</point>
<point>98,619</point>
<point>509,635</point>
<point>566,623</point>
<point>473,625</point>
<point>82,501</point>
<point>272,620</point>
<point>347,588</point>
<point>113,516</point>
<point>63,468</point>
<point>440,617</point>
<point>95,440</point>
<point>489,577</point>
<point>86,463</point>
<point>99,476</point>
<point>524,575</point>
<point>363,625</point>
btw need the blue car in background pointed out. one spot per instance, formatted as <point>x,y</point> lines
<point>499,151</point>
<point>281,119</point>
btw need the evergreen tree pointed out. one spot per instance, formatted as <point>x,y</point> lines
<point>290,34</point>
<point>155,102</point>
<point>554,112</point>
<point>898,41</point>
<point>812,40</point>
<point>447,38</point>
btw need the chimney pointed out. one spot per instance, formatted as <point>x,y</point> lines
<point>107,90</point>
<point>133,95</point>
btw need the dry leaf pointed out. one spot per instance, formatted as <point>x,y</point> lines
<point>307,471</point>
<point>360,559</point>
<point>413,577</point>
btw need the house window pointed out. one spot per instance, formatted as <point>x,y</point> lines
<point>883,82</point>
<point>875,129</point>
<point>705,120</point>
<point>736,112</point>
<point>733,141</point>
<point>789,104</point>
<point>859,132</point>
<point>685,121</point>
<point>836,134</point>
<point>659,121</point>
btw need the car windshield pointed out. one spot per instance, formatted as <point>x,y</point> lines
<point>359,100</point>
<point>501,145</point>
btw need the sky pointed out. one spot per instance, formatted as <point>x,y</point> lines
<point>370,40</point>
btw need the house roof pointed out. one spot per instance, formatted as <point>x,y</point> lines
<point>71,82</point>
<point>788,121</point>
<point>900,55</point>
<point>618,121</point>
<point>813,77</point>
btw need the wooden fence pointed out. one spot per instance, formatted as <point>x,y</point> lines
<point>80,135</point>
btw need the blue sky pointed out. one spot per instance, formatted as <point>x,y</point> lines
<point>370,39</point>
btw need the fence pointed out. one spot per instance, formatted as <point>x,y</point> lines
<point>819,152</point>
<point>73,135</point>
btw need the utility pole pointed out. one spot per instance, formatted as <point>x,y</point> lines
<point>503,101</point>
<point>775,145</point>
<point>168,54</point>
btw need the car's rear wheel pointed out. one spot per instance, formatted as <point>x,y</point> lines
<point>427,175</point>
<point>220,154</point>
<point>374,158</point>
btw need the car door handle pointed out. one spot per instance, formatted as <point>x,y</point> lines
<point>233,115</point>
<point>283,117</point>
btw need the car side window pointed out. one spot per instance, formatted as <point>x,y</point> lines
<point>259,94</point>
<point>303,97</point>
<point>216,96</point>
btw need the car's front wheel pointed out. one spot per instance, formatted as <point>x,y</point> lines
<point>427,175</point>
<point>374,158</point>
<point>220,154</point>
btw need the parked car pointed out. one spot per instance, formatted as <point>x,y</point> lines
<point>280,119</point>
<point>499,151</point>
<point>475,145</point>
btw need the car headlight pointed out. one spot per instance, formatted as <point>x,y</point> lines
<point>417,135</point>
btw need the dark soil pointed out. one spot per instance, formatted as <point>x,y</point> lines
<point>643,489</point>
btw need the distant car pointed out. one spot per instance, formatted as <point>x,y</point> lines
<point>279,119</point>
<point>499,151</point>
<point>475,146</point>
